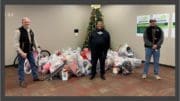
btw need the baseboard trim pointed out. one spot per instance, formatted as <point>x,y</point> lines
<point>7,66</point>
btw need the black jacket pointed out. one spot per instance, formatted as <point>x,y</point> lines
<point>153,35</point>
<point>99,42</point>
<point>25,44</point>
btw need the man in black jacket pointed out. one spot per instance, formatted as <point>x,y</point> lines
<point>99,43</point>
<point>153,39</point>
<point>25,44</point>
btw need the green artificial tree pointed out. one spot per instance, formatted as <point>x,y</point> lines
<point>96,15</point>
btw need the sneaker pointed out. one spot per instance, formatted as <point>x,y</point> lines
<point>144,76</point>
<point>157,77</point>
<point>23,84</point>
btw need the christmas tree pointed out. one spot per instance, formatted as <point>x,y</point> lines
<point>96,15</point>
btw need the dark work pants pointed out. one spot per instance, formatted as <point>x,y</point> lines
<point>95,55</point>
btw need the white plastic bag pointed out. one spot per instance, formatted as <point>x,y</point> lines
<point>109,63</point>
<point>80,64</point>
<point>124,52</point>
<point>135,62</point>
<point>87,66</point>
<point>118,61</point>
<point>56,62</point>
<point>27,67</point>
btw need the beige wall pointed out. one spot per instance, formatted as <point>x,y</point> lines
<point>120,21</point>
<point>54,26</point>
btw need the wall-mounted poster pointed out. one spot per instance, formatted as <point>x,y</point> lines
<point>173,26</point>
<point>162,22</point>
<point>142,23</point>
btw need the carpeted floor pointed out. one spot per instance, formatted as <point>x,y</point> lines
<point>119,85</point>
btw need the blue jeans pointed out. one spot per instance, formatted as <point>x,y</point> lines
<point>156,54</point>
<point>21,66</point>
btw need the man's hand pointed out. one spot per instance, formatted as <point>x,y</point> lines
<point>23,55</point>
<point>154,46</point>
<point>37,50</point>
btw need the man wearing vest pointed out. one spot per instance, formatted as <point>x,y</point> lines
<point>25,44</point>
<point>99,43</point>
<point>153,39</point>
